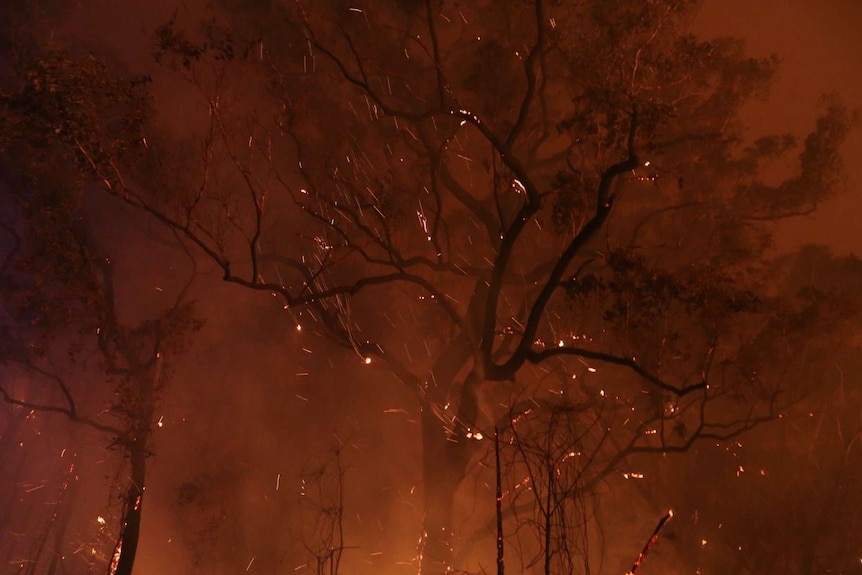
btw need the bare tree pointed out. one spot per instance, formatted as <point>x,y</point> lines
<point>322,496</point>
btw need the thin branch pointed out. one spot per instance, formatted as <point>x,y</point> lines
<point>530,73</point>
<point>69,412</point>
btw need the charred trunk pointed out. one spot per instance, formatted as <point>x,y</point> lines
<point>130,527</point>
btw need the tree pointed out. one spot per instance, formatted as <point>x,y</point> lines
<point>779,500</point>
<point>61,310</point>
<point>547,201</point>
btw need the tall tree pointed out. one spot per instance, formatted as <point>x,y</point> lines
<point>63,325</point>
<point>549,201</point>
<point>60,310</point>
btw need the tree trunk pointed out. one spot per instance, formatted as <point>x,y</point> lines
<point>444,460</point>
<point>127,544</point>
<point>148,381</point>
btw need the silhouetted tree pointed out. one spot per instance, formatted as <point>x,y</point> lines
<point>780,501</point>
<point>60,311</point>
<point>471,198</point>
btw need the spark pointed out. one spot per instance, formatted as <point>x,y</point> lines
<point>519,187</point>
<point>250,563</point>
<point>161,422</point>
<point>367,361</point>
<point>101,520</point>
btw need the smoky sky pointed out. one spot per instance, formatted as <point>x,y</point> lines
<point>818,43</point>
<point>821,53</point>
<point>254,403</point>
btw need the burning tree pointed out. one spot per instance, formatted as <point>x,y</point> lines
<point>60,311</point>
<point>64,328</point>
<point>549,207</point>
